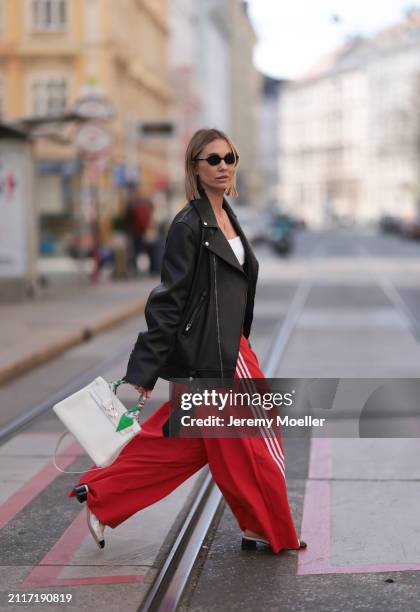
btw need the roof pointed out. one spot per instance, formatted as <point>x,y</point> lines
<point>357,50</point>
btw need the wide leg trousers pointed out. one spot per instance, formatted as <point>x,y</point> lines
<point>250,472</point>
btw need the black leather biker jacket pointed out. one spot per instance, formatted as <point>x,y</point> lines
<point>195,317</point>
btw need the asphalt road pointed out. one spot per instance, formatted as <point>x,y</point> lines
<point>356,503</point>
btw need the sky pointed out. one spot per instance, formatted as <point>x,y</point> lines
<point>293,34</point>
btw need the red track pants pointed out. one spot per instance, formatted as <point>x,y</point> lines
<point>250,472</point>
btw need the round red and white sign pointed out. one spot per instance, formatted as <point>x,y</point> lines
<point>93,139</point>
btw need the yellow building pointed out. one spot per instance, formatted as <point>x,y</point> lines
<point>49,51</point>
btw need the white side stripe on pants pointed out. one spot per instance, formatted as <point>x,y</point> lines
<point>270,433</point>
<point>270,441</point>
<point>267,433</point>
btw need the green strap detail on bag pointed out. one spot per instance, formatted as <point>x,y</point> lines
<point>126,420</point>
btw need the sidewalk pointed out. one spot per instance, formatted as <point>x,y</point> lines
<point>33,332</point>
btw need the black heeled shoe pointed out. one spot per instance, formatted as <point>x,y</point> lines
<point>81,492</point>
<point>250,543</point>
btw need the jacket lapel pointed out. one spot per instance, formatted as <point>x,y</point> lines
<point>251,262</point>
<point>214,238</point>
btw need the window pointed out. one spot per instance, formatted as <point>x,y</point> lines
<point>49,96</point>
<point>49,15</point>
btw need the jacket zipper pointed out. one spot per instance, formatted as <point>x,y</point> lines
<point>217,318</point>
<point>195,312</point>
<point>243,313</point>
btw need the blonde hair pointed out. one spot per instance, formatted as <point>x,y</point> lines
<point>197,143</point>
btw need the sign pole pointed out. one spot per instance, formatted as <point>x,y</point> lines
<point>94,142</point>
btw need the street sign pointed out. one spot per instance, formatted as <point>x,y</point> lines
<point>94,107</point>
<point>156,129</point>
<point>93,104</point>
<point>93,139</point>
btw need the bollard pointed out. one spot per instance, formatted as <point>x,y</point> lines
<point>120,262</point>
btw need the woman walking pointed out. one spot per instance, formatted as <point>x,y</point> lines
<point>199,319</point>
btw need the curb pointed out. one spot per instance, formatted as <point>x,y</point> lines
<point>71,339</point>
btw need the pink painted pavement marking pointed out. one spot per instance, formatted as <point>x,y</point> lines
<point>28,491</point>
<point>48,570</point>
<point>320,458</point>
<point>315,530</point>
<point>316,521</point>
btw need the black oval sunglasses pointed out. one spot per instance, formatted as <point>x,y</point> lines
<point>214,159</point>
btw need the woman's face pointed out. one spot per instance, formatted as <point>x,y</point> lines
<point>219,177</point>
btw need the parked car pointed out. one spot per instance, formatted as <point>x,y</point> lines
<point>391,224</point>
<point>411,229</point>
<point>281,233</point>
<point>275,207</point>
<point>254,224</point>
<point>272,227</point>
<point>299,222</point>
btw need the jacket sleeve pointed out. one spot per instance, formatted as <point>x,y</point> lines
<point>165,306</point>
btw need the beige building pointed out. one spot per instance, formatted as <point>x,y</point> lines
<point>49,51</point>
<point>184,73</point>
<point>215,82</point>
<point>245,94</point>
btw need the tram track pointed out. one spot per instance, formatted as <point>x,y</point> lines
<point>169,586</point>
<point>24,419</point>
<point>166,593</point>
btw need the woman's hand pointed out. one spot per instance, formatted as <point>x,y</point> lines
<point>142,391</point>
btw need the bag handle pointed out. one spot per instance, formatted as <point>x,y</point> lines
<point>57,467</point>
<point>140,402</point>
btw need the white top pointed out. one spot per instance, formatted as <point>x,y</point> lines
<point>238,249</point>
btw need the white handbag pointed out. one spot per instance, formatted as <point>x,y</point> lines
<point>99,420</point>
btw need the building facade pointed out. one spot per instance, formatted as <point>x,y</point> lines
<point>270,140</point>
<point>49,51</point>
<point>245,95</point>
<point>215,83</point>
<point>351,131</point>
<point>187,99</point>
<point>213,56</point>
